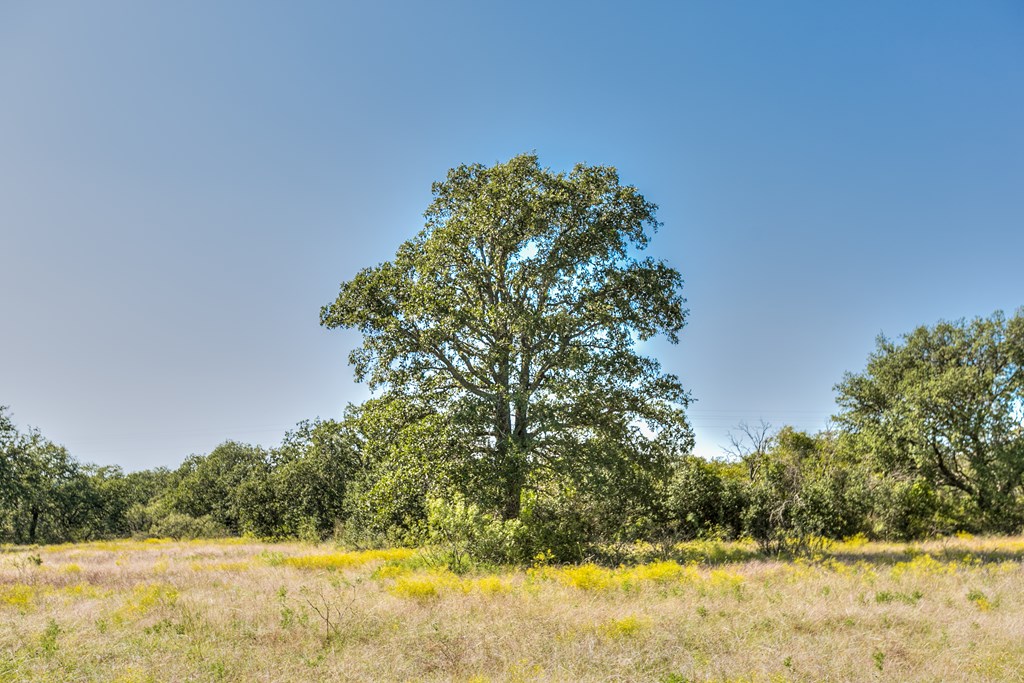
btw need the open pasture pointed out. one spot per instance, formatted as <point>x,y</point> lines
<point>239,610</point>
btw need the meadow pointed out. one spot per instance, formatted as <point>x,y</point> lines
<point>241,610</point>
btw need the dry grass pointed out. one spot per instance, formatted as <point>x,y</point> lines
<point>243,611</point>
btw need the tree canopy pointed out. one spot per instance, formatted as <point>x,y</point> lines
<point>516,313</point>
<point>947,403</point>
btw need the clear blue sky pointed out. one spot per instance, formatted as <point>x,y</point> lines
<point>184,184</point>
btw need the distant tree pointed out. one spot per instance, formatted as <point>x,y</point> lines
<point>211,485</point>
<point>750,443</point>
<point>109,495</point>
<point>302,493</point>
<point>46,494</point>
<point>946,403</point>
<point>9,444</point>
<point>515,313</point>
<point>147,495</point>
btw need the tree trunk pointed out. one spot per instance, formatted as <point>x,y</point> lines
<point>513,494</point>
<point>505,461</point>
<point>517,464</point>
<point>32,526</point>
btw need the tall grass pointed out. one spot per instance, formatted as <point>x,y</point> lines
<point>950,610</point>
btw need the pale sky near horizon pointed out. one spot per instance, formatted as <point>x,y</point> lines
<point>183,185</point>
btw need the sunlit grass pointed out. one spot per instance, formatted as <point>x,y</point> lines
<point>239,610</point>
<point>346,560</point>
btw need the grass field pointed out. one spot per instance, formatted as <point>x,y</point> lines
<point>237,610</point>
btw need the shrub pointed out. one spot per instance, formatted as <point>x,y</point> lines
<point>562,527</point>
<point>805,490</point>
<point>464,535</point>
<point>704,500</point>
<point>181,526</point>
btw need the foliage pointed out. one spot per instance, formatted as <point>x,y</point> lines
<point>181,526</point>
<point>569,522</point>
<point>705,499</point>
<point>805,490</point>
<point>906,507</point>
<point>466,536</point>
<point>946,403</point>
<point>312,469</point>
<point>407,454</point>
<point>212,485</point>
<point>561,524</point>
<point>46,495</point>
<point>585,461</point>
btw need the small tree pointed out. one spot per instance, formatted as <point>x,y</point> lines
<point>806,490</point>
<point>313,467</point>
<point>213,484</point>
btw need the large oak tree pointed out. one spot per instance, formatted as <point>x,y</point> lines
<point>516,313</point>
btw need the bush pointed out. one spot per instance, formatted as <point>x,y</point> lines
<point>466,536</point>
<point>806,489</point>
<point>181,526</point>
<point>907,508</point>
<point>562,527</point>
<point>704,500</point>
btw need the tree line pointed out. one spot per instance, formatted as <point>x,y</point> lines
<point>514,414</point>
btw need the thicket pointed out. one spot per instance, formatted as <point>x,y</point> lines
<point>323,483</point>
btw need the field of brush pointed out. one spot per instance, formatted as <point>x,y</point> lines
<point>239,610</point>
